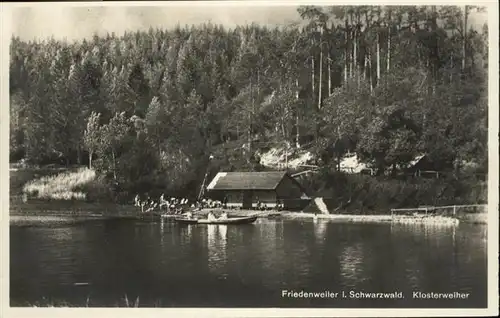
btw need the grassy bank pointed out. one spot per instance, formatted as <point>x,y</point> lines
<point>19,176</point>
<point>63,186</point>
<point>58,184</point>
<point>60,195</point>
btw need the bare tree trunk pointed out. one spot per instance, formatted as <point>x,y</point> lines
<point>346,53</point>
<point>452,66</point>
<point>367,61</point>
<point>378,46</point>
<point>370,67</point>
<point>283,131</point>
<point>464,44</point>
<point>365,66</point>
<point>329,75</point>
<point>435,55</point>
<point>250,119</point>
<point>389,42</point>
<point>90,159</point>
<point>352,42</point>
<point>355,51</point>
<point>114,164</point>
<point>389,53</point>
<point>312,78</point>
<point>357,31</point>
<point>320,67</point>
<point>378,57</point>
<point>297,133</point>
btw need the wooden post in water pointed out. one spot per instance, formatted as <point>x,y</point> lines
<point>454,210</point>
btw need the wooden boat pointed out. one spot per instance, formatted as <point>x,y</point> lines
<point>184,220</point>
<point>237,220</point>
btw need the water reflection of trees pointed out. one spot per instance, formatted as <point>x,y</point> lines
<point>271,252</point>
<point>60,256</point>
<point>320,227</point>
<point>366,257</point>
<point>63,233</point>
<point>438,257</point>
<point>217,248</point>
<point>186,234</point>
<point>351,264</point>
<point>301,258</point>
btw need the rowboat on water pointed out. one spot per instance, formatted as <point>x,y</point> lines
<point>237,220</point>
<point>184,220</point>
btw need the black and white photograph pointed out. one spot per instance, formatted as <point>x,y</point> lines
<point>249,156</point>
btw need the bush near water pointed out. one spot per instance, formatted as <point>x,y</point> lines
<point>363,194</point>
<point>145,109</point>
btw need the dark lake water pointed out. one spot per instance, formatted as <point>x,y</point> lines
<point>171,265</point>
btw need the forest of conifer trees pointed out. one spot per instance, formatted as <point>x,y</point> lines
<point>146,108</point>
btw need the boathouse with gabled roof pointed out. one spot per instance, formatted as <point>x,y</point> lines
<point>245,189</point>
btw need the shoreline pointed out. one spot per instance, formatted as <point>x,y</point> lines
<point>61,218</point>
<point>42,212</point>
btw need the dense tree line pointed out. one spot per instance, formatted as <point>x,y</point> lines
<point>147,108</point>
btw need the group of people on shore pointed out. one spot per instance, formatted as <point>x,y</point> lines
<point>209,203</point>
<point>180,205</point>
<point>177,206</point>
<point>174,205</point>
<point>266,206</point>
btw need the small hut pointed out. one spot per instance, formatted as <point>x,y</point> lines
<point>246,189</point>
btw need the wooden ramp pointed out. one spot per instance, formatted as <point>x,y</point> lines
<point>317,205</point>
<point>321,205</point>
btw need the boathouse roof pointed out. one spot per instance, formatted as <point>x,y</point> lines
<point>262,180</point>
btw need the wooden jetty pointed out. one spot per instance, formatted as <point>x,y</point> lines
<point>429,209</point>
